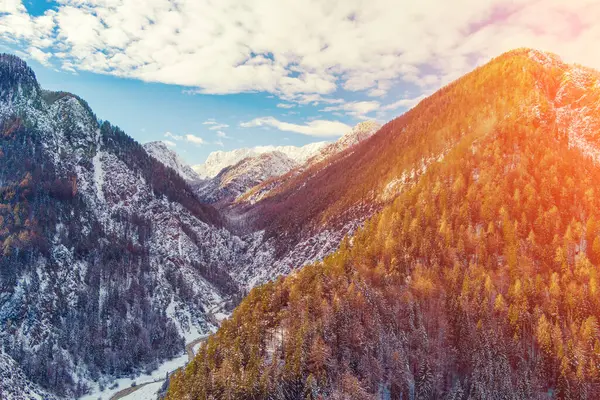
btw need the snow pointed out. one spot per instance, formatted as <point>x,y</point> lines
<point>169,158</point>
<point>158,375</point>
<point>218,160</point>
<point>221,316</point>
<point>236,180</point>
<point>147,392</point>
<point>189,332</point>
<point>196,348</point>
<point>98,175</point>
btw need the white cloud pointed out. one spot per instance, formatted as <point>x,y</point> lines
<point>285,105</point>
<point>173,136</point>
<point>318,128</point>
<point>223,135</point>
<point>357,109</point>
<point>404,103</point>
<point>194,139</point>
<point>40,56</point>
<point>209,121</point>
<point>218,127</point>
<point>299,50</point>
<point>188,138</point>
<point>219,143</point>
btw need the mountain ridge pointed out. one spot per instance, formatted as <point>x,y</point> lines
<point>160,151</point>
<point>219,160</point>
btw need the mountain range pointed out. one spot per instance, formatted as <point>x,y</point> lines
<point>451,253</point>
<point>219,160</point>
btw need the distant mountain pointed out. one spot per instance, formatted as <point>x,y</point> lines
<point>475,275</point>
<point>248,174</point>
<point>169,158</point>
<point>235,180</point>
<point>218,160</point>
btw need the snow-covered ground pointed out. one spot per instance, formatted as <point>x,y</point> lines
<point>148,392</point>
<point>158,376</point>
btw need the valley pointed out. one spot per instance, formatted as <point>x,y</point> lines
<point>106,239</point>
<point>450,253</point>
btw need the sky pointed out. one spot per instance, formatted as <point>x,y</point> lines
<point>205,75</point>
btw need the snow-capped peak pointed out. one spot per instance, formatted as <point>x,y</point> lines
<point>219,160</point>
<point>159,151</point>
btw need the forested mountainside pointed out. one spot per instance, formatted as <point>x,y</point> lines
<point>107,260</point>
<point>478,281</point>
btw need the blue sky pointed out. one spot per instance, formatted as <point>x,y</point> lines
<point>146,111</point>
<point>204,76</point>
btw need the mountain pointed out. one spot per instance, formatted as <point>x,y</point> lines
<point>475,279</point>
<point>218,160</point>
<point>169,158</point>
<point>247,174</point>
<point>109,263</point>
<point>235,180</point>
<point>289,209</point>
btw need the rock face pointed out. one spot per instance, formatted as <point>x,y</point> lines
<point>169,158</point>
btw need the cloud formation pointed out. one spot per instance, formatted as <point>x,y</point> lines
<point>218,127</point>
<point>197,140</point>
<point>173,136</point>
<point>357,109</point>
<point>194,139</point>
<point>299,50</point>
<point>317,128</point>
<point>406,103</point>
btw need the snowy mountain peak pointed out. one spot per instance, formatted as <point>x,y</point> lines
<point>364,129</point>
<point>236,179</point>
<point>219,160</point>
<point>159,151</point>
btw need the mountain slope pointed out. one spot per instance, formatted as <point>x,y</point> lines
<point>478,281</point>
<point>219,160</point>
<point>360,132</point>
<point>170,159</point>
<point>108,258</point>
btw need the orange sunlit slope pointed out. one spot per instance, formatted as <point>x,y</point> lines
<point>479,280</point>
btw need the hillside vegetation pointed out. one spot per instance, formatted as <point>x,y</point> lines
<point>479,281</point>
